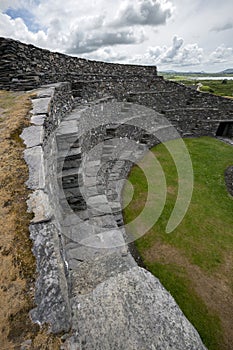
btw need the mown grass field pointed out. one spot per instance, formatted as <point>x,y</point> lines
<point>194,262</point>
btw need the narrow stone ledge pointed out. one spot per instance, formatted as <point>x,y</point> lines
<point>45,92</point>
<point>51,296</point>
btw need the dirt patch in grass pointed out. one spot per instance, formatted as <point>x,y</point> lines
<point>215,290</point>
<point>18,267</point>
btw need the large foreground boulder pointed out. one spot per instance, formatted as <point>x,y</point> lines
<point>130,311</point>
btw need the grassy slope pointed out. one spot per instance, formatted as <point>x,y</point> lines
<point>200,249</point>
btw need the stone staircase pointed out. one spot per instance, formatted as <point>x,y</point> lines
<point>114,303</point>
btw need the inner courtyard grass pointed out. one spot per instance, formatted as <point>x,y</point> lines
<point>194,262</point>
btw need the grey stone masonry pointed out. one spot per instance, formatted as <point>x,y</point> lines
<point>24,67</point>
<point>132,311</point>
<point>115,304</point>
<point>89,286</point>
<point>88,127</point>
<point>50,105</point>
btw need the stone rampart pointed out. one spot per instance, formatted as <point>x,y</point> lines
<point>24,67</point>
<point>86,274</point>
<point>88,284</point>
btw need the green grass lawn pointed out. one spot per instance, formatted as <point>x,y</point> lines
<point>217,87</point>
<point>203,239</point>
<point>213,86</point>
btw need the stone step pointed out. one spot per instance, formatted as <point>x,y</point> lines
<point>67,142</point>
<point>67,128</point>
<point>72,153</point>
<point>71,178</point>
<point>70,164</point>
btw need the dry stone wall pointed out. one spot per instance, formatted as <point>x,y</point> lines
<point>86,274</point>
<point>88,284</point>
<point>23,67</point>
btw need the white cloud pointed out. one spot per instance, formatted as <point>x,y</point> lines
<point>175,55</point>
<point>107,54</point>
<point>172,51</point>
<point>191,55</point>
<point>16,28</point>
<point>144,12</point>
<point>83,42</point>
<point>221,54</point>
<point>222,27</point>
<point>135,31</point>
<point>5,4</point>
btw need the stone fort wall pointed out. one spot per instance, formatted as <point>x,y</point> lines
<point>67,271</point>
<point>78,283</point>
<point>25,67</point>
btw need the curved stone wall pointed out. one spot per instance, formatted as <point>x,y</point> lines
<point>24,67</point>
<point>88,285</point>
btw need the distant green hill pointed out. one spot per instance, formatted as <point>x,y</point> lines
<point>202,73</point>
<point>228,71</point>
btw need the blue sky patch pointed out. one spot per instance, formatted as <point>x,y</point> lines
<point>26,16</point>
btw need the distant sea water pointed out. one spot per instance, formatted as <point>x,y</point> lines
<point>209,78</point>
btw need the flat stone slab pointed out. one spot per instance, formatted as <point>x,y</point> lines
<point>132,311</point>
<point>38,119</point>
<point>108,239</point>
<point>38,203</point>
<point>41,105</point>
<point>92,181</point>
<point>94,191</point>
<point>82,253</point>
<point>33,136</point>
<point>96,200</point>
<point>105,221</point>
<point>99,210</point>
<point>35,161</point>
<point>45,92</point>
<point>80,231</point>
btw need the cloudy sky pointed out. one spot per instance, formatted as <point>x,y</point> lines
<point>184,35</point>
